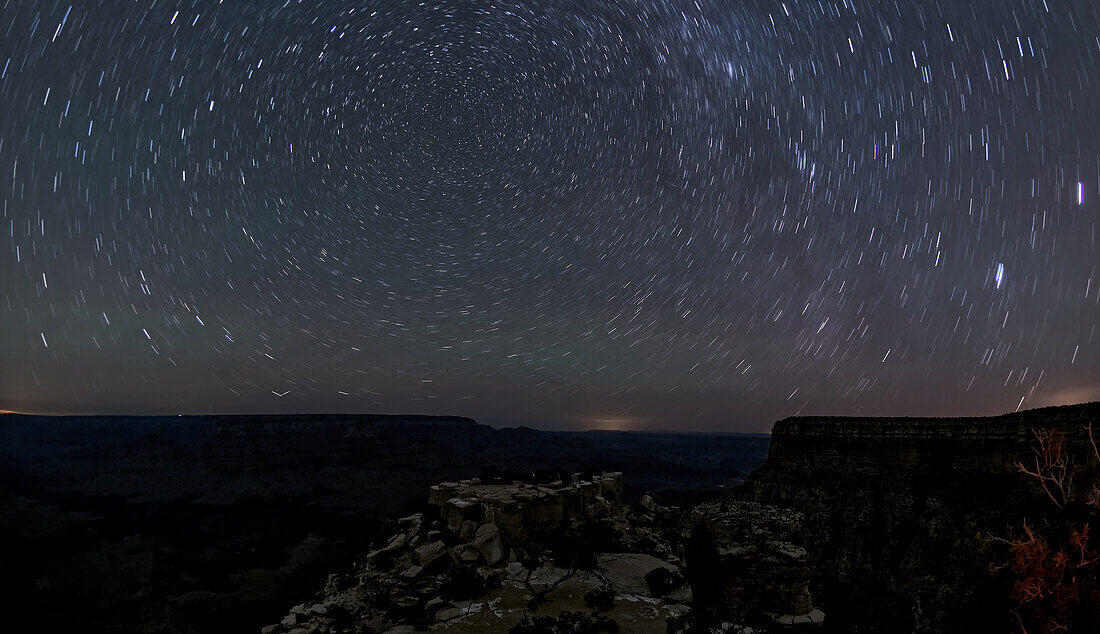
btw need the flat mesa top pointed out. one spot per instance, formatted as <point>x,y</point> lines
<point>1077,413</point>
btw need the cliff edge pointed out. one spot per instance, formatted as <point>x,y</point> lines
<point>898,511</point>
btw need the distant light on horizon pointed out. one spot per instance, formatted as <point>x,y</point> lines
<point>612,423</point>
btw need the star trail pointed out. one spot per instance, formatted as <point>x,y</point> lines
<point>677,215</point>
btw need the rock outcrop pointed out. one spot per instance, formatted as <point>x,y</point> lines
<point>898,511</point>
<point>746,563</point>
<point>486,554</point>
<point>521,512</point>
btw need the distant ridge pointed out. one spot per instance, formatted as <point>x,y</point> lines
<point>243,417</point>
<point>1051,413</point>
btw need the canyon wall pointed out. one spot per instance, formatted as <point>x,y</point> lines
<point>899,512</point>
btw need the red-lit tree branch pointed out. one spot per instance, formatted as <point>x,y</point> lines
<point>1051,465</point>
<point>1056,564</point>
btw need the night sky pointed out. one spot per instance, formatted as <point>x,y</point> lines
<point>634,215</point>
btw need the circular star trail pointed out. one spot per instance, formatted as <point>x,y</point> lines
<point>680,215</point>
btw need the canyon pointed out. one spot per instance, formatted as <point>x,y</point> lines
<point>221,523</point>
<point>843,524</point>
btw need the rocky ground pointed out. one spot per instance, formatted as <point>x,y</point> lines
<point>566,556</point>
<point>212,524</point>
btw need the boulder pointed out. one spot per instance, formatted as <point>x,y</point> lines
<point>467,530</point>
<point>433,605</point>
<point>457,510</point>
<point>626,572</point>
<point>815,617</point>
<point>429,553</point>
<point>397,542</point>
<point>487,541</point>
<point>412,521</point>
<point>680,595</point>
<point>447,614</point>
<point>515,571</point>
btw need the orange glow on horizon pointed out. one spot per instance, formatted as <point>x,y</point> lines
<point>613,423</point>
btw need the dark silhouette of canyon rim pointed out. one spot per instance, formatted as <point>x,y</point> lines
<point>334,523</point>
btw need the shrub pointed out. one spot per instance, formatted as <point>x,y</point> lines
<point>571,549</point>
<point>600,599</point>
<point>663,580</point>
<point>1056,562</point>
<point>462,584</point>
<point>683,624</point>
<point>601,536</point>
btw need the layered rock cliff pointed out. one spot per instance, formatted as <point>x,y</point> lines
<point>899,511</point>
